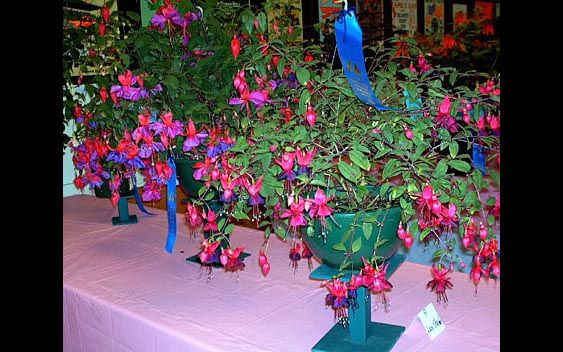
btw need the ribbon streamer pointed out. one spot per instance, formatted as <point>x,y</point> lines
<point>171,205</point>
<point>138,198</point>
<point>350,50</point>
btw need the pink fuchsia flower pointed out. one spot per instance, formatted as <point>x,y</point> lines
<point>229,184</point>
<point>441,282</point>
<point>193,218</point>
<point>304,159</point>
<point>210,221</point>
<point>208,254</point>
<point>230,258</point>
<point>286,163</point>
<point>295,213</point>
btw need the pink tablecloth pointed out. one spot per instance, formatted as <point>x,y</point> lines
<point>124,292</point>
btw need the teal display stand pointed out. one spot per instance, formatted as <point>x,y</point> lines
<point>362,334</point>
<point>123,207</point>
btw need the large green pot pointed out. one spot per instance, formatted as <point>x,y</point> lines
<point>185,171</point>
<point>322,248</point>
<point>103,191</point>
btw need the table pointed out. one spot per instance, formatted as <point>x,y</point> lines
<point>123,292</point>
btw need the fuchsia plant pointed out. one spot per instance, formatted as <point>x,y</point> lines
<point>286,144</point>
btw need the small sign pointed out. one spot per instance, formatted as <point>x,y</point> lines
<point>431,321</point>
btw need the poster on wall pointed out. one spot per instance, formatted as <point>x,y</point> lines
<point>459,12</point>
<point>327,10</point>
<point>484,10</point>
<point>434,17</point>
<point>404,14</point>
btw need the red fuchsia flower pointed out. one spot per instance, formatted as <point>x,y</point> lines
<point>319,208</point>
<point>194,138</point>
<point>311,115</point>
<point>441,282</point>
<point>489,88</point>
<point>443,117</point>
<point>235,46</point>
<point>495,210</point>
<point>229,186</point>
<point>424,66</point>
<point>208,255</point>
<point>449,217</point>
<point>286,163</point>
<point>295,213</point>
<point>169,127</point>
<point>230,258</point>
<point>337,299</point>
<point>428,200</point>
<point>210,221</point>
<point>308,57</point>
<point>304,159</point>
<point>193,218</point>
<point>253,189</point>
<point>285,112</point>
<point>163,171</point>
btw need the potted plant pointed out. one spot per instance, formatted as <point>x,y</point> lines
<point>288,145</point>
<point>305,148</point>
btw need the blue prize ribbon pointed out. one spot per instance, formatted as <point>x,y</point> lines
<point>350,50</point>
<point>171,205</point>
<point>138,198</point>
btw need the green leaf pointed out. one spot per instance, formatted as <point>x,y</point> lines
<point>339,247</point>
<point>454,149</point>
<point>441,169</point>
<point>460,165</point>
<point>349,172</point>
<point>358,158</point>
<point>303,75</point>
<point>357,244</point>
<point>367,229</point>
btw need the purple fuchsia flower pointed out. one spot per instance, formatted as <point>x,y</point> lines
<point>337,299</point>
<point>229,186</point>
<point>304,159</point>
<point>286,163</point>
<point>230,258</point>
<point>167,16</point>
<point>194,138</point>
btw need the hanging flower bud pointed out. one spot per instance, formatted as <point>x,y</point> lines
<point>103,94</point>
<point>105,13</point>
<point>102,29</point>
<point>275,60</point>
<point>311,115</point>
<point>235,46</point>
<point>408,133</point>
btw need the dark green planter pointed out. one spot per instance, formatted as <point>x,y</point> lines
<point>103,191</point>
<point>323,249</point>
<point>185,172</point>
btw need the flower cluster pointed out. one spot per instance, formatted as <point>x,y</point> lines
<point>281,140</point>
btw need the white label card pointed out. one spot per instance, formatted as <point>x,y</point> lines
<point>431,321</point>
